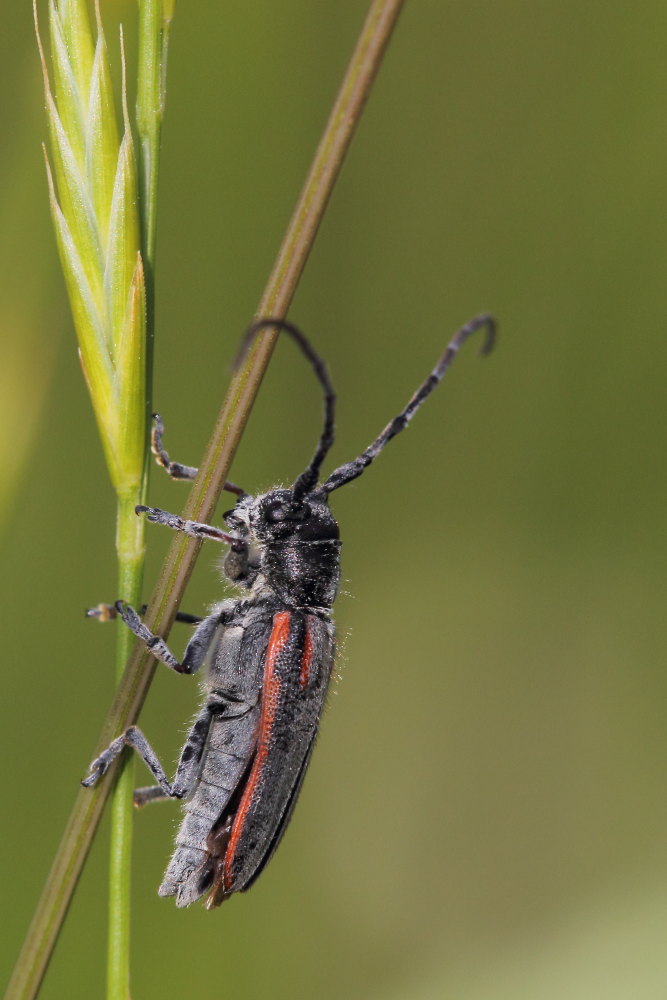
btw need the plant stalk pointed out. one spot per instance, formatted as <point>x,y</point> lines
<point>130,540</point>
<point>182,553</point>
<point>130,548</point>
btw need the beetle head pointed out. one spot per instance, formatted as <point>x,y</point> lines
<point>270,526</point>
<point>281,517</point>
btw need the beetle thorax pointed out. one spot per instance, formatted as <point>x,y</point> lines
<point>285,545</point>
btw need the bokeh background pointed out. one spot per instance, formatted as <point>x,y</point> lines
<point>486,813</point>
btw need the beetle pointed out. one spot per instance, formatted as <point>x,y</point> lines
<point>267,656</point>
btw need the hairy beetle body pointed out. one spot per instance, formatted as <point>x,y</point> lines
<point>258,739</point>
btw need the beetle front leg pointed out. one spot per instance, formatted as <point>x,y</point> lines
<point>196,529</point>
<point>174,469</point>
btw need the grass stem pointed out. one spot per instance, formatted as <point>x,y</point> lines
<point>130,549</point>
<point>151,82</point>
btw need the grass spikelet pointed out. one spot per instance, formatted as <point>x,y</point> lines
<point>92,180</point>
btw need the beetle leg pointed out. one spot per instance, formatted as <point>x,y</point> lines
<point>195,650</point>
<point>186,772</point>
<point>194,528</point>
<point>132,737</point>
<point>153,793</point>
<point>188,764</point>
<point>154,643</point>
<point>174,469</point>
<point>107,612</point>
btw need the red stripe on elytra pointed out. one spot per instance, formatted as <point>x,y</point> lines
<point>307,659</point>
<point>270,695</point>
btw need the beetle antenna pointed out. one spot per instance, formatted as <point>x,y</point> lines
<point>346,473</point>
<point>309,477</point>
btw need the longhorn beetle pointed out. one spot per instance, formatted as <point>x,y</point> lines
<point>267,657</point>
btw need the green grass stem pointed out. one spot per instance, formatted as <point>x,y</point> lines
<point>130,553</point>
<point>154,23</point>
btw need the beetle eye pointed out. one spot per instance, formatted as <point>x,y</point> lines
<point>226,514</point>
<point>279,511</point>
<point>276,512</point>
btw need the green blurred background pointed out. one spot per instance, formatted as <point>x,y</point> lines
<point>486,814</point>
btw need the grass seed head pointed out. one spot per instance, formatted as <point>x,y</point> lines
<point>92,181</point>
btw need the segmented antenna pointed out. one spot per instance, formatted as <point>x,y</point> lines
<point>346,473</point>
<point>309,477</point>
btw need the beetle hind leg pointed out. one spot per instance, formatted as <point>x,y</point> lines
<point>186,772</point>
<point>132,737</point>
<point>152,793</point>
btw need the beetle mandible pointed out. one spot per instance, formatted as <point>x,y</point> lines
<point>267,656</point>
